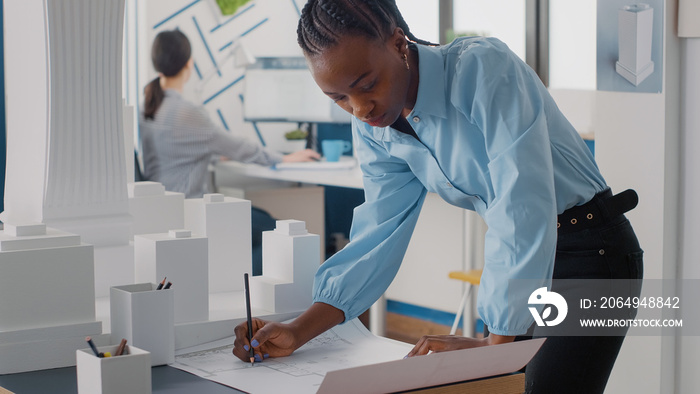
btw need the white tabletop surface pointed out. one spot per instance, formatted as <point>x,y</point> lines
<point>320,174</point>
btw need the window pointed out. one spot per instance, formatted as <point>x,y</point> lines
<point>572,45</point>
<point>421,17</point>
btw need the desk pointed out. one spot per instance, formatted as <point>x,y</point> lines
<point>505,384</point>
<point>173,381</point>
<point>351,178</point>
<point>64,380</point>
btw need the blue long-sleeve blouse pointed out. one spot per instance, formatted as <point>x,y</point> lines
<point>492,140</point>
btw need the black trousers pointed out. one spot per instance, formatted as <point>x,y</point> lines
<point>582,364</point>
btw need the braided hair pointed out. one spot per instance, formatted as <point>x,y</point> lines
<point>323,22</point>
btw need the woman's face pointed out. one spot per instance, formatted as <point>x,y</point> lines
<point>367,78</point>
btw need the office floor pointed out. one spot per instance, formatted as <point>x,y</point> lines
<point>410,329</point>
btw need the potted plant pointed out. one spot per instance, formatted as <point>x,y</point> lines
<point>296,139</point>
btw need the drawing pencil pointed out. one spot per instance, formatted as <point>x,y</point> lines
<point>250,319</point>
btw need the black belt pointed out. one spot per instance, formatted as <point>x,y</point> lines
<point>602,208</point>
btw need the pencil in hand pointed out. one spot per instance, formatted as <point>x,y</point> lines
<point>250,319</point>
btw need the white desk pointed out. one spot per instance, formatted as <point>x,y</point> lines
<point>351,178</point>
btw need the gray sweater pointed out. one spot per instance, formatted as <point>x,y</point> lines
<point>181,141</point>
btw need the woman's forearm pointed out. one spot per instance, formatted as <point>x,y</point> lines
<point>314,321</point>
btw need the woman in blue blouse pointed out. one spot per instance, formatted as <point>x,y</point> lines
<point>474,124</point>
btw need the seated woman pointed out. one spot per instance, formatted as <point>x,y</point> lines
<point>179,140</point>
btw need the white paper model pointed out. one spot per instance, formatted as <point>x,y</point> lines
<point>47,298</point>
<point>145,317</point>
<point>290,260</point>
<point>155,210</point>
<point>182,258</point>
<point>635,27</point>
<point>65,144</point>
<point>226,222</point>
<point>65,126</point>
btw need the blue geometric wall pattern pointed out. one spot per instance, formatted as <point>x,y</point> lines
<point>264,27</point>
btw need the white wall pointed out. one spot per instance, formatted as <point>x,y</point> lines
<point>688,357</point>
<point>637,146</point>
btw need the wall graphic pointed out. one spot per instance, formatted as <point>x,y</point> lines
<point>264,28</point>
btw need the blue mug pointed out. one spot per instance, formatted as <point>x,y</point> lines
<point>333,149</point>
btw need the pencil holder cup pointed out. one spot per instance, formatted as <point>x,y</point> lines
<point>129,373</point>
<point>145,317</point>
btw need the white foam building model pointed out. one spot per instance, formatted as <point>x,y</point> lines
<point>153,209</point>
<point>290,260</point>
<point>635,28</point>
<point>226,222</point>
<point>47,297</point>
<point>65,126</point>
<point>182,258</point>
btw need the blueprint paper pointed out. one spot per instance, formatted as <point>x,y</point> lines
<point>432,370</point>
<point>349,359</point>
<point>344,346</point>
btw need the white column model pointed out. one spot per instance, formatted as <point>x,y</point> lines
<point>635,27</point>
<point>65,126</point>
<point>65,144</point>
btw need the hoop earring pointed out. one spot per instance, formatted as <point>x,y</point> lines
<point>405,60</point>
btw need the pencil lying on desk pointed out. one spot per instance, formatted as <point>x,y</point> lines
<point>250,319</point>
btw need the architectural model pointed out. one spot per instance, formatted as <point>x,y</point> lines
<point>635,26</point>
<point>47,297</point>
<point>155,210</point>
<point>182,258</point>
<point>290,260</point>
<point>225,221</point>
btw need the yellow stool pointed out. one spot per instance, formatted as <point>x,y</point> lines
<point>471,278</point>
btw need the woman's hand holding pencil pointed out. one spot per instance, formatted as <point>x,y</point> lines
<point>273,339</point>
